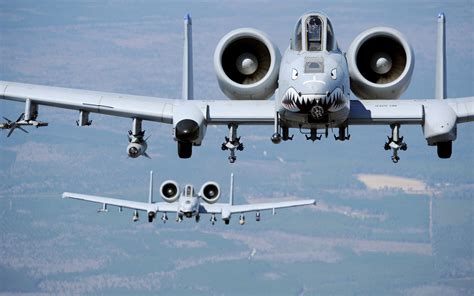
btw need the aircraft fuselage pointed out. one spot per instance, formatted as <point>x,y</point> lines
<point>188,206</point>
<point>313,87</point>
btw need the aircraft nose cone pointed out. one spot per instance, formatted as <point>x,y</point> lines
<point>381,63</point>
<point>247,63</point>
<point>187,130</point>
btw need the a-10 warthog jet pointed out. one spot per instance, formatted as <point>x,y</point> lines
<point>188,203</point>
<point>311,84</point>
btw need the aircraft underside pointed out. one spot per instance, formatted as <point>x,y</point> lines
<point>309,126</point>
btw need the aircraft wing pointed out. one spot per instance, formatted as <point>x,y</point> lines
<point>143,107</point>
<point>227,209</point>
<point>463,107</point>
<point>366,112</point>
<point>135,205</point>
<point>362,112</point>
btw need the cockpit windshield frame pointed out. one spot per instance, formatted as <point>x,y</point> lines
<point>297,38</point>
<point>331,44</point>
<point>314,33</point>
<point>314,27</point>
<point>189,191</point>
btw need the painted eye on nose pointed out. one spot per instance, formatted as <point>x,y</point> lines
<point>294,74</point>
<point>334,74</point>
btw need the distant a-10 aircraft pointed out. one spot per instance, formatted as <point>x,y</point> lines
<point>311,83</point>
<point>188,203</point>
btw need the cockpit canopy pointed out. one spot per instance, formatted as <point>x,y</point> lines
<point>189,191</point>
<point>314,32</point>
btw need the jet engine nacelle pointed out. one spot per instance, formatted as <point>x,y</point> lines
<point>247,65</point>
<point>169,191</point>
<point>380,64</point>
<point>134,150</point>
<point>210,192</point>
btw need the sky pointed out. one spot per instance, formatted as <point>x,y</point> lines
<point>136,48</point>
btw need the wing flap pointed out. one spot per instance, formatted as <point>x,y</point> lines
<point>405,111</point>
<point>240,112</point>
<point>385,112</point>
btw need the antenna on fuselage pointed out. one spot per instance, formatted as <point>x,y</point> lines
<point>188,92</point>
<point>150,193</point>
<point>231,193</point>
<point>440,90</point>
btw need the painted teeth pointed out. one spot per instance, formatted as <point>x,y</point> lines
<point>293,101</point>
<point>290,100</point>
<point>335,100</point>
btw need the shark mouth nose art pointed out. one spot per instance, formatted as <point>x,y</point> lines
<point>295,102</point>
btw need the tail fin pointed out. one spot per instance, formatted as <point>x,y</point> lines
<point>440,91</point>
<point>150,193</point>
<point>231,193</point>
<point>188,91</point>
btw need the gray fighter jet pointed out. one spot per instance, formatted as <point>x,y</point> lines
<point>311,84</point>
<point>188,203</point>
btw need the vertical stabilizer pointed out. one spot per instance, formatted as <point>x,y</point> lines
<point>188,92</point>
<point>231,193</point>
<point>440,92</point>
<point>150,193</point>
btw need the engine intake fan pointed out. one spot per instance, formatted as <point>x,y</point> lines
<point>169,191</point>
<point>247,65</point>
<point>380,64</point>
<point>210,192</point>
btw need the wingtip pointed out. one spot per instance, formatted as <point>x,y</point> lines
<point>441,17</point>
